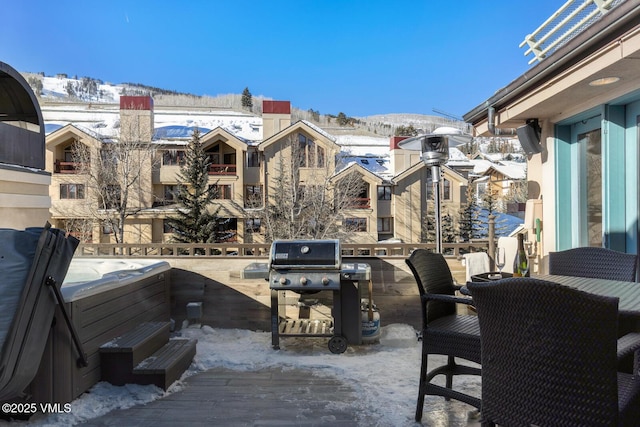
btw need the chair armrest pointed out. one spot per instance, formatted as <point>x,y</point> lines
<point>630,344</point>
<point>447,298</point>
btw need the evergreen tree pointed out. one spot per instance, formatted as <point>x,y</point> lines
<point>194,222</point>
<point>468,215</point>
<point>315,115</point>
<point>429,223</point>
<point>247,99</point>
<point>492,205</point>
<point>342,119</point>
<point>470,147</point>
<point>406,131</point>
<point>448,229</point>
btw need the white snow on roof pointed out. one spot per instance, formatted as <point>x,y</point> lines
<point>370,152</point>
<point>358,145</point>
<point>105,120</point>
<point>480,166</point>
<point>319,130</point>
<point>512,170</point>
<point>379,166</point>
<point>458,159</point>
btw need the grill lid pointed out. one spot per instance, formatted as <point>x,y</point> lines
<point>301,254</point>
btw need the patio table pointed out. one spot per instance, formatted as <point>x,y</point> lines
<point>628,293</point>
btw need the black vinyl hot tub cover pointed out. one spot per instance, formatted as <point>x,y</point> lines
<point>27,304</point>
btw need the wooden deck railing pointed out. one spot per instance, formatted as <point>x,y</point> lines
<point>256,250</point>
<point>222,169</point>
<point>67,167</point>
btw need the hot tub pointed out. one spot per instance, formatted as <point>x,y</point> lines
<point>91,276</point>
<point>105,297</point>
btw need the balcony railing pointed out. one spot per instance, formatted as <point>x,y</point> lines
<point>222,169</point>
<point>169,250</point>
<point>359,203</point>
<point>574,17</point>
<point>67,167</point>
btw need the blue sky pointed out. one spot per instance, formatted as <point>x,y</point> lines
<point>357,57</point>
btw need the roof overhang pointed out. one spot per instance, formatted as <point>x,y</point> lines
<point>558,87</point>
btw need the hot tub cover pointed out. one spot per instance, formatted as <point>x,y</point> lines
<point>27,304</point>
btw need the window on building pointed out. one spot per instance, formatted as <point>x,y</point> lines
<point>214,154</point>
<point>320,156</point>
<point>301,192</point>
<point>446,189</point>
<point>253,225</point>
<point>110,197</point>
<point>355,224</point>
<point>72,191</point>
<point>171,193</point>
<point>68,153</point>
<point>166,226</point>
<point>253,195</point>
<point>222,191</point>
<point>593,162</point>
<point>302,148</point>
<point>362,200</point>
<point>385,224</point>
<point>384,192</point>
<point>253,158</point>
<point>228,230</point>
<point>310,154</point>
<point>173,157</point>
<point>229,158</point>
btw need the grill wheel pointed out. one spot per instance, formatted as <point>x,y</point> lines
<point>337,344</point>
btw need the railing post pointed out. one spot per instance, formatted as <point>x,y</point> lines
<point>492,240</point>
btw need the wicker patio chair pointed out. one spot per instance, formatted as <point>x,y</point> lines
<point>595,262</point>
<point>549,357</point>
<point>443,331</point>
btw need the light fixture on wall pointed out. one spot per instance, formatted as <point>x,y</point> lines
<point>604,81</point>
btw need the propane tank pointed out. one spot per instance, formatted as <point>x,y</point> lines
<point>370,321</point>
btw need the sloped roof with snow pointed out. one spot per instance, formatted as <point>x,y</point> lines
<point>512,170</point>
<point>379,166</point>
<point>320,130</point>
<point>365,146</point>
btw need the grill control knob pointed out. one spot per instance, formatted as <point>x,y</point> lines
<point>325,280</point>
<point>283,280</point>
<point>303,280</point>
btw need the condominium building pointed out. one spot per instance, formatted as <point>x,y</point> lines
<point>391,202</point>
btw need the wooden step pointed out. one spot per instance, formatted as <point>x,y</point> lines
<point>167,364</point>
<point>121,355</point>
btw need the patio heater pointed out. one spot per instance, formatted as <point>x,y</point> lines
<point>434,148</point>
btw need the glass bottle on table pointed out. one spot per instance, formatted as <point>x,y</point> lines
<point>521,261</point>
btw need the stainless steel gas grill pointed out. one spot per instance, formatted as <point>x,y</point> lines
<point>308,267</point>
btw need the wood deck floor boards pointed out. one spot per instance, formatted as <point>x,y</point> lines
<point>269,397</point>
